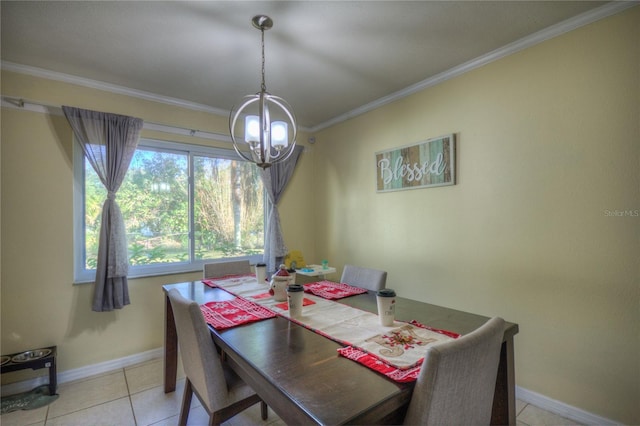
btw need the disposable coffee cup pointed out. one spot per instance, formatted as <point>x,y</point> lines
<point>295,296</point>
<point>386,299</point>
<point>261,272</point>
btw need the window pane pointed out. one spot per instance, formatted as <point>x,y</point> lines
<point>175,221</point>
<point>154,199</point>
<point>95,194</point>
<point>154,202</point>
<point>228,208</point>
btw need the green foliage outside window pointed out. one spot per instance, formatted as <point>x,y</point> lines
<point>228,208</point>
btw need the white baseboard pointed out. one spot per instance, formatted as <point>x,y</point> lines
<point>83,372</point>
<point>560,408</point>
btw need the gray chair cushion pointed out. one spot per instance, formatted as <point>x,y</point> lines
<point>235,267</point>
<point>371,279</point>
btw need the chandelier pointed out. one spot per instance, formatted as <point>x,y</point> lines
<point>263,123</point>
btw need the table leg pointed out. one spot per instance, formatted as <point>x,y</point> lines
<point>170,348</point>
<point>504,398</point>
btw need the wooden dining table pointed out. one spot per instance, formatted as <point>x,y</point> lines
<point>300,375</point>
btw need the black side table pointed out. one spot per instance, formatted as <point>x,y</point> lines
<point>34,359</point>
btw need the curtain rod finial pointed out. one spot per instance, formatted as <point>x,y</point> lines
<point>19,102</point>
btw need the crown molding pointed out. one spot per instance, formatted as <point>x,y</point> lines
<point>40,107</point>
<point>578,21</point>
<point>113,88</point>
<point>107,87</point>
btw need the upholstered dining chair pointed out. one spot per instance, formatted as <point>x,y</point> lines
<point>371,279</point>
<point>220,391</point>
<point>234,267</point>
<point>458,378</point>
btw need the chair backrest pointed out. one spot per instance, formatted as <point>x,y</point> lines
<point>371,279</point>
<point>200,359</point>
<point>457,380</point>
<point>234,267</point>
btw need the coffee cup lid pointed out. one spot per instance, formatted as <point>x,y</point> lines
<point>386,292</point>
<point>295,287</point>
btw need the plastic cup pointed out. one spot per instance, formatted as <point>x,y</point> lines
<point>295,297</point>
<point>261,272</point>
<point>386,300</point>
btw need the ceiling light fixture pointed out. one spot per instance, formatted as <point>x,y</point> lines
<point>266,123</point>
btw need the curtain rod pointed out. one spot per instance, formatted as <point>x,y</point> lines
<point>42,107</point>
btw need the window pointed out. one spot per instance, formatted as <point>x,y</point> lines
<point>182,205</point>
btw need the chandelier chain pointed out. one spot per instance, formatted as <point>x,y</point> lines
<point>264,86</point>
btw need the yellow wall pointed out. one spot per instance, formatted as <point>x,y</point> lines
<point>40,304</point>
<point>548,142</point>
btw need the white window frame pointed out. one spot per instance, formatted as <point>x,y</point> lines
<point>82,275</point>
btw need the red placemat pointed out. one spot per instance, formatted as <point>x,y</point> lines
<point>231,313</point>
<point>331,290</point>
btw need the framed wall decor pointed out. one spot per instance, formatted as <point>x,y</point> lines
<point>422,165</point>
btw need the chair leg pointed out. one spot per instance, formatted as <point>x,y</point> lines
<point>186,402</point>
<point>215,419</point>
<point>264,410</point>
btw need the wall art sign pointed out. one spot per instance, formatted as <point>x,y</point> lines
<point>425,164</point>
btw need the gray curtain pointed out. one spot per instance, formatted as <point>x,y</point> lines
<point>275,180</point>
<point>109,142</point>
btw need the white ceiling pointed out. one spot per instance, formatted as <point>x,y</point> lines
<point>328,59</point>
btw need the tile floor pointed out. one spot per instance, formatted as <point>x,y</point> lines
<point>134,396</point>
